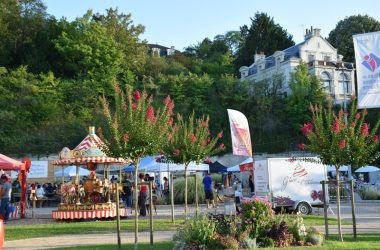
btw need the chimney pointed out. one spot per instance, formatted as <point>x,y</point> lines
<point>91,130</point>
<point>259,56</point>
<point>312,32</point>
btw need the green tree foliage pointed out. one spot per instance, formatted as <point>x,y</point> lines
<point>28,104</point>
<point>89,52</point>
<point>120,27</point>
<point>264,35</point>
<point>26,34</point>
<point>191,141</point>
<point>305,89</point>
<point>341,36</point>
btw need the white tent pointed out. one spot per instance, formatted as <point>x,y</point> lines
<point>236,168</point>
<point>71,171</point>
<point>331,168</point>
<point>164,167</point>
<point>367,169</point>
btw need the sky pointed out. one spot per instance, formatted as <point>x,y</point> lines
<point>182,23</point>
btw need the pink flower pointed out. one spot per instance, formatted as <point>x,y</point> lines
<point>352,124</point>
<point>208,139</point>
<point>307,128</point>
<point>376,138</point>
<point>134,106</point>
<point>336,126</point>
<point>150,114</point>
<point>301,146</point>
<point>136,94</point>
<point>220,134</point>
<point>171,106</point>
<point>167,100</point>
<point>221,146</point>
<point>171,121</point>
<point>342,144</point>
<point>365,129</point>
<point>357,116</point>
<point>125,137</point>
<point>176,152</point>
<point>204,124</point>
<point>193,138</point>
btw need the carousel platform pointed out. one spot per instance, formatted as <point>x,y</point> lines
<point>91,211</point>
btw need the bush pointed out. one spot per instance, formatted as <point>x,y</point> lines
<point>369,194</point>
<point>295,224</point>
<point>314,236</point>
<point>197,230</point>
<point>256,216</point>
<point>280,235</point>
<point>216,178</point>
<point>179,190</point>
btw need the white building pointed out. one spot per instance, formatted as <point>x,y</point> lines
<point>322,59</point>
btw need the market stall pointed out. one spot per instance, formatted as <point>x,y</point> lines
<point>92,197</point>
<point>9,164</point>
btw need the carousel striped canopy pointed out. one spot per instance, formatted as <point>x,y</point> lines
<point>88,151</point>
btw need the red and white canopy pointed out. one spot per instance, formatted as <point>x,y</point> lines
<point>88,151</point>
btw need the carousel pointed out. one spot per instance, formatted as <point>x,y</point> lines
<point>92,197</point>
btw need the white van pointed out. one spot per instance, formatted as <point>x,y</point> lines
<point>290,183</point>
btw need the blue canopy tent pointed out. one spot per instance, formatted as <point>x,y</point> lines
<point>217,167</point>
<point>146,161</point>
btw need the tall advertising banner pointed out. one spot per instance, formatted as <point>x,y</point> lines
<point>241,138</point>
<point>367,56</point>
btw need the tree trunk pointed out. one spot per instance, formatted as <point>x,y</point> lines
<point>186,191</point>
<point>338,203</point>
<point>136,205</point>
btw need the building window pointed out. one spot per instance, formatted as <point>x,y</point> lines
<point>327,58</point>
<point>311,58</point>
<point>326,81</point>
<point>344,84</point>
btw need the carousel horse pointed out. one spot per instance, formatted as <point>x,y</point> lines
<point>93,190</point>
<point>68,193</point>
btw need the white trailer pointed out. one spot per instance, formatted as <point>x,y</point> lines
<point>290,183</point>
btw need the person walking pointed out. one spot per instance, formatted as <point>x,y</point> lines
<point>207,185</point>
<point>5,194</point>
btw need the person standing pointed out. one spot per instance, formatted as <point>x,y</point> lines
<point>251,185</point>
<point>143,194</point>
<point>127,190</point>
<point>166,187</point>
<point>207,185</point>
<point>5,196</point>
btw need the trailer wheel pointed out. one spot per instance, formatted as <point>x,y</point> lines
<point>304,208</point>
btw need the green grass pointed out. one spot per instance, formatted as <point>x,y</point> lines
<point>92,227</point>
<point>319,220</point>
<point>88,227</point>
<point>365,241</point>
<point>166,245</point>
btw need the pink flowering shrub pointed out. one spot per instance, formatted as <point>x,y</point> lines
<point>256,216</point>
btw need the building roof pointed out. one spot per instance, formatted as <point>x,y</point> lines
<point>290,52</point>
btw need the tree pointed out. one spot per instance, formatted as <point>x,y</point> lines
<point>264,35</point>
<point>338,143</point>
<point>135,129</point>
<point>190,141</point>
<point>304,89</point>
<point>341,36</point>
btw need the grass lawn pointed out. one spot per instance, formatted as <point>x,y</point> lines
<point>365,241</point>
<point>142,246</point>
<point>91,227</point>
<point>87,227</point>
